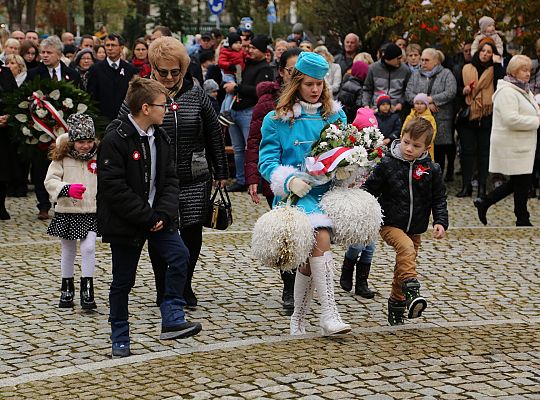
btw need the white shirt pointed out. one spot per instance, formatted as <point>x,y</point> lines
<point>153,155</point>
<point>117,62</point>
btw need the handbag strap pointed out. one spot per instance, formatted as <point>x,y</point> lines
<point>225,199</point>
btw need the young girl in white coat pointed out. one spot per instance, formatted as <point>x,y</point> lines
<point>72,184</point>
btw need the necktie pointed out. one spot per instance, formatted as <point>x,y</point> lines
<point>114,65</point>
<point>54,77</point>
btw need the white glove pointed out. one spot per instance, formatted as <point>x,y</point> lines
<point>342,174</point>
<point>299,187</point>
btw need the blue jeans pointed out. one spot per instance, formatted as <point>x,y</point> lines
<point>239,134</point>
<point>229,97</point>
<point>124,267</point>
<point>365,252</point>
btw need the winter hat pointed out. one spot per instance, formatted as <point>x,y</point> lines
<point>392,51</point>
<point>422,97</point>
<point>359,69</point>
<point>210,86</point>
<point>312,64</point>
<point>384,98</point>
<point>484,22</point>
<point>261,42</point>
<point>69,49</point>
<point>80,127</point>
<point>82,53</point>
<point>365,118</point>
<point>233,37</point>
<point>298,28</point>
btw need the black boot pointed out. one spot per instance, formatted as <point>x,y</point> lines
<point>4,215</point>
<point>189,295</point>
<point>466,190</point>
<point>396,309</point>
<point>482,190</point>
<point>414,301</point>
<point>67,293</point>
<point>346,274</point>
<point>288,290</point>
<point>482,206</point>
<point>362,275</point>
<point>87,294</point>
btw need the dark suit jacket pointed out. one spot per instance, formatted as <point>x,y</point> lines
<point>108,86</point>
<point>68,74</point>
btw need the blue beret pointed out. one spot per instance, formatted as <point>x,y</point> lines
<point>312,64</point>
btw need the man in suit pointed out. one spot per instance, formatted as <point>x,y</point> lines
<point>53,68</point>
<point>108,80</point>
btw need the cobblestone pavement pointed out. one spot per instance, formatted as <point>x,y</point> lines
<point>479,337</point>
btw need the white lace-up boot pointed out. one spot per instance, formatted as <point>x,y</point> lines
<point>303,292</point>
<point>322,273</point>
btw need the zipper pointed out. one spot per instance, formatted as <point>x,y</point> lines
<point>176,154</point>
<point>298,142</point>
<point>411,198</point>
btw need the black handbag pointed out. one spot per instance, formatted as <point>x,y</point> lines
<point>220,210</point>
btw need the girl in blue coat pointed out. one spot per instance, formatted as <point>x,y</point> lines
<point>304,108</point>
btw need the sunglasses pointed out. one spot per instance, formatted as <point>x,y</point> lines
<point>165,72</point>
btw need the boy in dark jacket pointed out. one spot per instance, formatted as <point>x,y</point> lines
<point>137,200</point>
<point>409,187</point>
<point>389,122</point>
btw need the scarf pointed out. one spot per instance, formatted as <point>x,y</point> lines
<point>83,157</point>
<point>480,97</point>
<point>143,66</point>
<point>520,84</point>
<point>433,72</point>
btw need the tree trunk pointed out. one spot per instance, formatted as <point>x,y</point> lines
<point>31,14</point>
<point>89,27</point>
<point>15,9</point>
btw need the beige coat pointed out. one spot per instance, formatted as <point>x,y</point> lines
<point>513,135</point>
<point>68,171</point>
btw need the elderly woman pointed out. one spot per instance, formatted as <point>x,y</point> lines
<point>477,82</point>
<point>333,77</point>
<point>83,61</point>
<point>11,46</point>
<point>195,134</point>
<point>516,118</point>
<point>18,67</point>
<point>440,86</point>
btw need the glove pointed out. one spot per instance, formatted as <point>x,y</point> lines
<point>76,191</point>
<point>299,187</point>
<point>342,174</point>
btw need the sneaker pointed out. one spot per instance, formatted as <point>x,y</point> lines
<point>396,311</point>
<point>416,304</point>
<point>236,187</point>
<point>120,350</point>
<point>225,118</point>
<point>181,331</point>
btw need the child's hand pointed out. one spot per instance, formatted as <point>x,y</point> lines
<point>76,191</point>
<point>438,231</point>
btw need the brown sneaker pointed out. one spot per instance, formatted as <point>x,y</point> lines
<point>43,215</point>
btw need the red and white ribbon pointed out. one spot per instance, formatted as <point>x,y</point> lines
<point>41,102</point>
<point>327,161</point>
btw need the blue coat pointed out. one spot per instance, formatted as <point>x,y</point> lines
<point>284,147</point>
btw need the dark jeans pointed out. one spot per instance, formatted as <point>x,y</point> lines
<point>124,267</point>
<point>38,172</point>
<point>192,238</point>
<point>443,152</point>
<point>519,185</point>
<point>474,139</point>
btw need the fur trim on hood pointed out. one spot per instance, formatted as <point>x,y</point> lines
<point>297,111</point>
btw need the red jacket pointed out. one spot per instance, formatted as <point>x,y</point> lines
<point>228,59</point>
<point>268,93</point>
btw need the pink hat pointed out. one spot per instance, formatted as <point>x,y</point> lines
<point>365,118</point>
<point>360,70</point>
<point>422,97</point>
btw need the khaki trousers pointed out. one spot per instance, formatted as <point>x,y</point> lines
<point>406,247</point>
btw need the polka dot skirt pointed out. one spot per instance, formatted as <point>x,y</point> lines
<point>72,226</point>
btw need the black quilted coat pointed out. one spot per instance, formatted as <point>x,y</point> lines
<point>409,192</point>
<point>199,150</point>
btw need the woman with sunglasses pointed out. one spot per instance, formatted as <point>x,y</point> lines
<point>199,151</point>
<point>268,93</point>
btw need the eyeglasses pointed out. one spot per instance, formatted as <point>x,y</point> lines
<point>425,60</point>
<point>164,106</point>
<point>289,69</point>
<point>165,72</point>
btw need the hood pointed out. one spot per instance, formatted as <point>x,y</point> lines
<point>395,150</point>
<point>267,87</point>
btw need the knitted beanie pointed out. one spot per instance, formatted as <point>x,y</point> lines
<point>422,97</point>
<point>384,98</point>
<point>484,22</point>
<point>80,127</point>
<point>365,118</point>
<point>392,51</point>
<point>359,69</point>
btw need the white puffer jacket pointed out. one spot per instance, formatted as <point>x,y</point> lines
<point>513,135</point>
<point>69,171</point>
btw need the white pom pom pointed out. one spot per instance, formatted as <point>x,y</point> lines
<point>356,215</point>
<point>283,238</point>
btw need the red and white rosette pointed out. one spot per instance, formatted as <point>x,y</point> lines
<point>39,101</point>
<point>92,166</point>
<point>327,161</point>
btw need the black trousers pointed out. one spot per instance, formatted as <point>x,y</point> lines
<point>519,185</point>
<point>474,138</point>
<point>444,152</point>
<point>38,172</point>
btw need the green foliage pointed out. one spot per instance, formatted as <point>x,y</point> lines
<point>172,14</point>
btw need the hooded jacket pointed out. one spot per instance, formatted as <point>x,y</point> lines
<point>409,191</point>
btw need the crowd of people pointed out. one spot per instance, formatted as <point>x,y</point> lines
<point>170,107</point>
